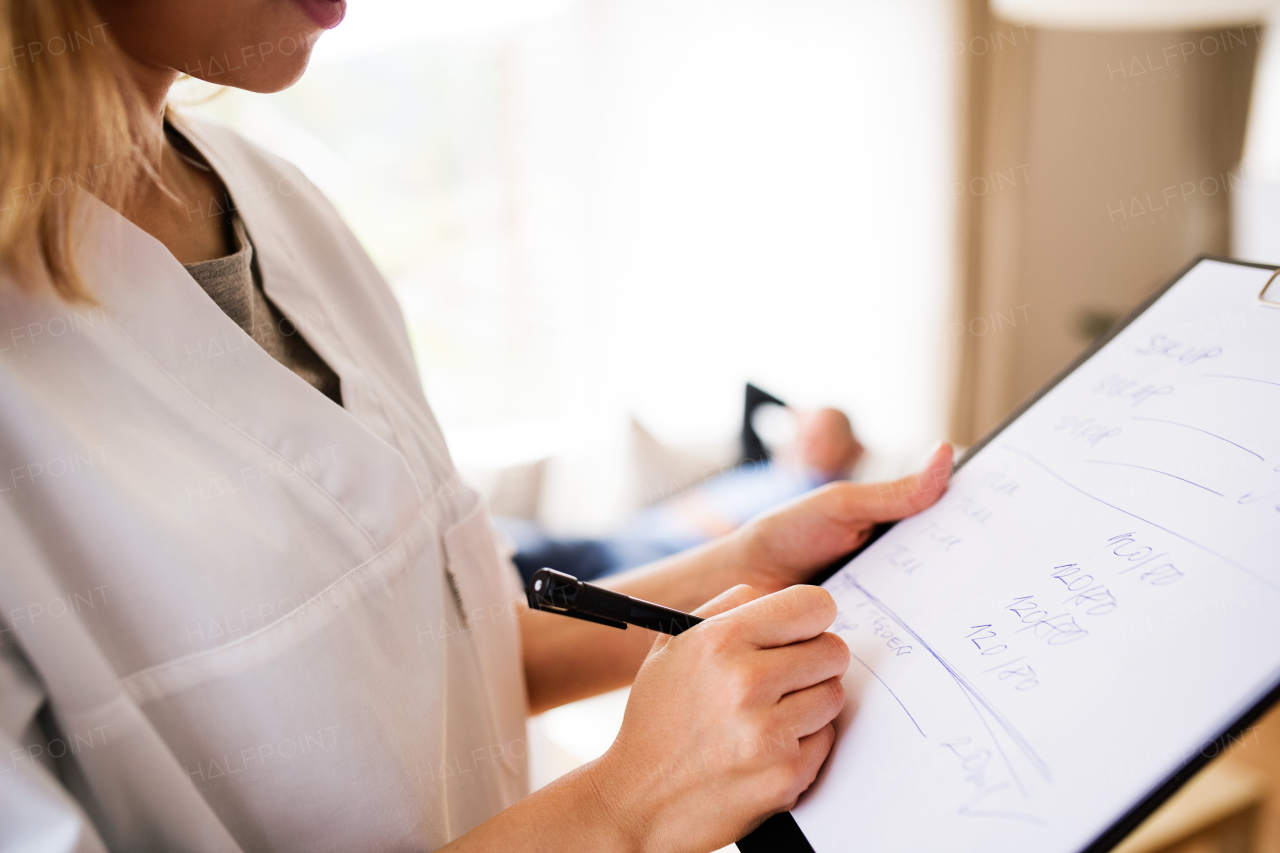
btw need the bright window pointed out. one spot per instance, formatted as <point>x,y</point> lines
<point>609,207</point>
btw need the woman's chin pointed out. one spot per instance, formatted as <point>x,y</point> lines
<point>267,80</point>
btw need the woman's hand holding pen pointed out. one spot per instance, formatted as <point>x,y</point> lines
<point>727,723</point>
<point>731,721</point>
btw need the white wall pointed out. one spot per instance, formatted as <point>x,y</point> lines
<point>769,200</point>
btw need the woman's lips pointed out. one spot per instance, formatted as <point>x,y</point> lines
<point>325,13</point>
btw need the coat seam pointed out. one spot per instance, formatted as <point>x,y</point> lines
<point>258,442</point>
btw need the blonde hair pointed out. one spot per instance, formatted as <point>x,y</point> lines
<point>67,111</point>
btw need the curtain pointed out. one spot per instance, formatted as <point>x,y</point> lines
<point>1095,166</point>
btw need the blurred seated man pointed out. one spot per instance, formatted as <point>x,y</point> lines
<point>825,449</point>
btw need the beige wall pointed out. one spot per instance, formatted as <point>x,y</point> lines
<point>1089,183</point>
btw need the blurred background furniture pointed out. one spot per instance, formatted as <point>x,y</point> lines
<point>1216,812</point>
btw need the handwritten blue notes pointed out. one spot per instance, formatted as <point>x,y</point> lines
<point>1094,600</point>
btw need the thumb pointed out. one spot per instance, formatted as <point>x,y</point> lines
<point>908,495</point>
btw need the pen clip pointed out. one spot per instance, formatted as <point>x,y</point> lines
<point>555,592</point>
<point>599,620</point>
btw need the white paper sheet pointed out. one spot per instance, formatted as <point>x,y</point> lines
<point>1093,601</point>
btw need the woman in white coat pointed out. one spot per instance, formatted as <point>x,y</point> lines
<point>246,602</point>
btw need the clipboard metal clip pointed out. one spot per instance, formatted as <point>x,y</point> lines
<point>1262,294</point>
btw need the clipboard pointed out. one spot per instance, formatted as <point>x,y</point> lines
<point>782,834</point>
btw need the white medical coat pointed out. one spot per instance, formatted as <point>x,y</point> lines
<point>255,620</point>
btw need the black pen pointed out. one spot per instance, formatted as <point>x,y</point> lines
<point>556,592</point>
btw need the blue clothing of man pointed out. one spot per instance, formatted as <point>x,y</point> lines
<point>668,527</point>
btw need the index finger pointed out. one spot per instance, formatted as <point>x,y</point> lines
<point>788,616</point>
